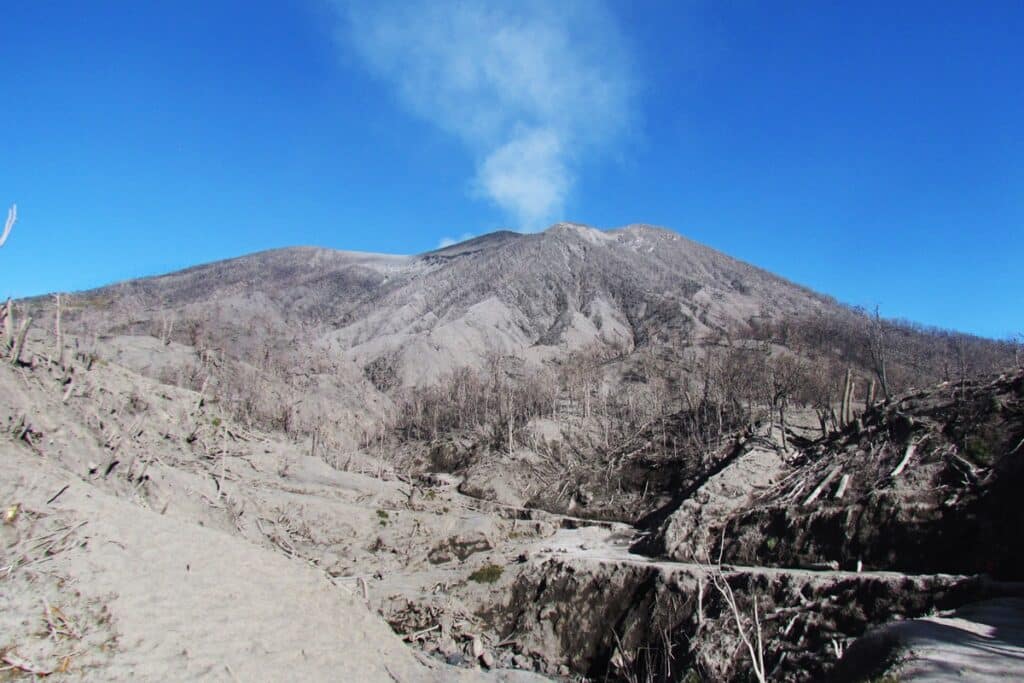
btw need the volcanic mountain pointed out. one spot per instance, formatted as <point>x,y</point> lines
<point>534,296</point>
<point>350,329</point>
<point>445,438</point>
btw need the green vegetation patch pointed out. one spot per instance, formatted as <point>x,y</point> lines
<point>487,574</point>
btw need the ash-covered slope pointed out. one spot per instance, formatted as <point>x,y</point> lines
<point>570,287</point>
<point>304,340</point>
<point>926,483</point>
<point>533,296</point>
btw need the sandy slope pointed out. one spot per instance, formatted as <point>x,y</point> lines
<point>979,642</point>
<point>180,544</point>
<point>188,602</point>
<point>982,641</point>
<point>128,551</point>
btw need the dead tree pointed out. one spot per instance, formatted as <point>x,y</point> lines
<point>878,348</point>
<point>845,413</point>
<point>167,332</point>
<point>8,320</point>
<point>748,628</point>
<point>14,342</point>
<point>19,341</point>
<point>510,408</point>
<point>784,376</point>
<point>960,345</point>
<point>59,332</point>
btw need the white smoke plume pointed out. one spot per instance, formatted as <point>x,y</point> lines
<point>530,87</point>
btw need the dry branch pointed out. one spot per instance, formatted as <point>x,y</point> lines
<point>906,458</point>
<point>420,634</point>
<point>755,646</point>
<point>821,487</point>
<point>843,483</point>
<point>49,619</point>
<point>15,662</point>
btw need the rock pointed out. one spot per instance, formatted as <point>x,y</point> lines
<point>477,537</point>
<point>585,497</point>
<point>455,659</point>
<point>829,566</point>
<point>487,660</point>
<point>447,647</point>
<point>452,455</point>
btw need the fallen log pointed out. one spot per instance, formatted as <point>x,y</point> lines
<point>821,487</point>
<point>906,458</point>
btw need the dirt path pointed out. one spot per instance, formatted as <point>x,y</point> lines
<point>601,545</point>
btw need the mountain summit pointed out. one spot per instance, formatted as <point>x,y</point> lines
<point>534,296</point>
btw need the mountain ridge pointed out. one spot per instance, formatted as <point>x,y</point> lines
<point>487,241</point>
<point>643,300</point>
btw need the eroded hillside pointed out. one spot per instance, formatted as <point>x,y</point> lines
<point>583,454</point>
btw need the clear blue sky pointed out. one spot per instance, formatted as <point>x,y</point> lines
<point>872,151</point>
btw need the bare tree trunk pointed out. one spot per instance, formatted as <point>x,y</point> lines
<point>60,335</point>
<point>9,324</point>
<point>782,422</point>
<point>510,434</point>
<point>19,343</point>
<point>883,377</point>
<point>510,421</point>
<point>961,358</point>
<point>851,414</point>
<point>167,330</point>
<point>878,345</point>
<point>844,410</point>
